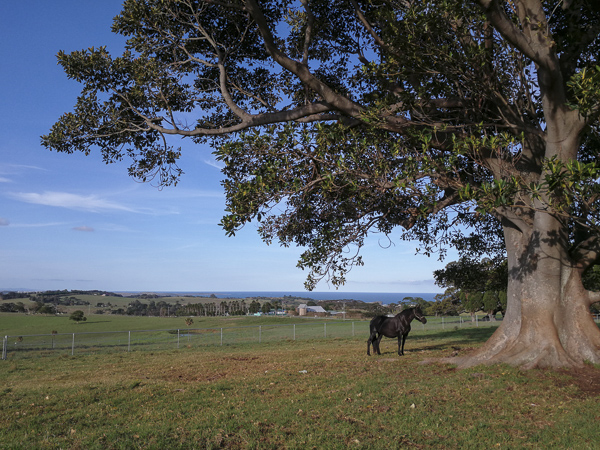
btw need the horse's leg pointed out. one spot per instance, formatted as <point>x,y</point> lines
<point>403,337</point>
<point>370,341</point>
<point>378,341</point>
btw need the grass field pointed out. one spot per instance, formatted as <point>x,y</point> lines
<point>33,335</point>
<point>323,394</point>
<point>21,324</point>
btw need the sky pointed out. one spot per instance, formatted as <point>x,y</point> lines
<point>74,222</point>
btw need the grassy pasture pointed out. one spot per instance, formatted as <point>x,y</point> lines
<point>318,393</point>
<point>22,324</point>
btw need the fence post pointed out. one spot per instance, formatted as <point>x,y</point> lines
<point>259,334</point>
<point>129,342</point>
<point>477,319</point>
<point>178,338</point>
<point>221,337</point>
<point>325,328</point>
<point>294,331</point>
<point>73,345</point>
<point>443,326</point>
<point>4,347</point>
<point>352,329</point>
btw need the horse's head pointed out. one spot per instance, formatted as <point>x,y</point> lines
<point>419,315</point>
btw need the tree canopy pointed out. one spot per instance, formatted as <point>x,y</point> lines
<point>470,124</point>
<point>78,316</point>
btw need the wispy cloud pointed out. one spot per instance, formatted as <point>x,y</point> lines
<point>27,166</point>
<point>3,222</point>
<point>18,168</point>
<point>214,163</point>
<point>83,228</point>
<point>5,180</point>
<point>37,225</point>
<point>90,203</point>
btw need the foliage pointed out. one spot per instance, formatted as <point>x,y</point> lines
<point>447,304</point>
<point>357,117</point>
<point>432,107</point>
<point>254,307</point>
<point>476,285</point>
<point>78,316</point>
<point>12,307</point>
<point>266,308</point>
<point>472,275</point>
<point>417,82</point>
<point>472,301</point>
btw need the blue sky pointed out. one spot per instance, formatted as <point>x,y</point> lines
<point>73,222</point>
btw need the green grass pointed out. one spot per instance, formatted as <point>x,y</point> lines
<point>30,336</point>
<point>21,324</point>
<point>324,394</point>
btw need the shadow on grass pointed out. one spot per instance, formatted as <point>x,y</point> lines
<point>463,336</point>
<point>93,321</point>
<point>448,338</point>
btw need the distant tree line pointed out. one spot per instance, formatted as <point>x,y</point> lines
<point>223,308</point>
<point>62,297</point>
<point>152,308</point>
<point>162,308</point>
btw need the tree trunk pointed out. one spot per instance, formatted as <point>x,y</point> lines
<point>547,321</point>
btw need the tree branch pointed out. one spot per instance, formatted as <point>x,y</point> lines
<point>495,13</point>
<point>296,114</point>
<point>337,101</point>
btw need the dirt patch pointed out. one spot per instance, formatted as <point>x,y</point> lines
<point>586,378</point>
<point>241,358</point>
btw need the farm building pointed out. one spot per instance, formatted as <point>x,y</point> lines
<point>304,309</point>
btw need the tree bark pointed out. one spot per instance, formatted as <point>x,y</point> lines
<point>547,321</point>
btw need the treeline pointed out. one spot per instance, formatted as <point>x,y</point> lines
<point>222,308</point>
<point>65,296</point>
<point>231,308</point>
<point>152,308</point>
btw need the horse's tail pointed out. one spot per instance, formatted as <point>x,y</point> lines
<point>375,324</point>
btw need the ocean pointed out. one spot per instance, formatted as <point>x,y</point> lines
<point>368,297</point>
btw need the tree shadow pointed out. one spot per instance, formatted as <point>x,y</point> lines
<point>460,336</point>
<point>448,338</point>
<point>93,321</point>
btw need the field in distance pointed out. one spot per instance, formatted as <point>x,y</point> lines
<point>25,324</point>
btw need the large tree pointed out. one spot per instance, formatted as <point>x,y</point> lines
<point>465,123</point>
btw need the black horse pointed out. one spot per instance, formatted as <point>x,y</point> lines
<point>397,326</point>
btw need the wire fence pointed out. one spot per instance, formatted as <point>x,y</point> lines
<point>19,346</point>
